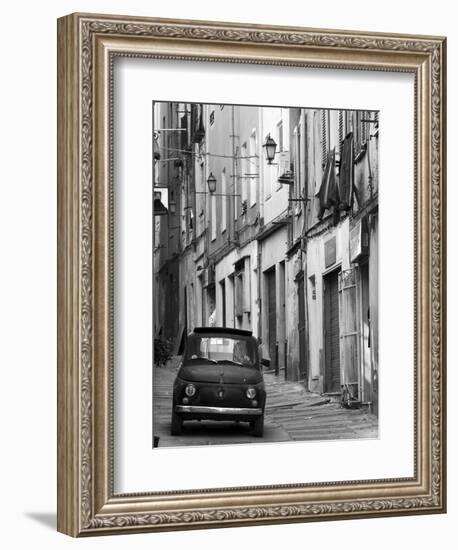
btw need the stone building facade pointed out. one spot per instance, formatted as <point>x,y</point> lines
<point>286,248</point>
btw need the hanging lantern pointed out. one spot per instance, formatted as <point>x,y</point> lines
<point>211,182</point>
<point>270,147</point>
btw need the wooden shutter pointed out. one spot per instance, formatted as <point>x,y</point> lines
<point>349,330</point>
<point>238,290</point>
<point>333,375</point>
<point>239,294</point>
<point>247,286</point>
<point>272,315</point>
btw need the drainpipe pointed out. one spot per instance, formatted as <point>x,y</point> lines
<point>259,289</point>
<point>304,259</point>
<point>261,216</point>
<point>234,176</point>
<point>369,169</point>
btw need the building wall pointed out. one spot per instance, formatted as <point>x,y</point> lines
<point>272,253</point>
<point>225,272</point>
<point>219,147</point>
<point>315,270</point>
<point>167,232</point>
<point>274,195</point>
<point>325,132</point>
<point>374,308</point>
<point>247,170</point>
<point>256,238</point>
<point>294,367</point>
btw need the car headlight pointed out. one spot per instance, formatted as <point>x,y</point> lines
<point>190,390</point>
<point>250,393</point>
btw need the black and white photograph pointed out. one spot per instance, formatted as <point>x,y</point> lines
<point>265,274</point>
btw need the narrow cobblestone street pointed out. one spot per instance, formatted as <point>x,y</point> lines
<point>291,414</point>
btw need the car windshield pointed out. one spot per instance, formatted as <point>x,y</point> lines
<point>221,349</point>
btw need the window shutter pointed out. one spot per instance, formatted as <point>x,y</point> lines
<point>284,163</point>
<point>247,287</point>
<point>239,292</point>
<point>324,138</point>
<point>349,331</point>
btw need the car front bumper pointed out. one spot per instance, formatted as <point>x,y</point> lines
<point>217,413</point>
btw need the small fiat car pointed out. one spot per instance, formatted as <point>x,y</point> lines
<point>220,378</point>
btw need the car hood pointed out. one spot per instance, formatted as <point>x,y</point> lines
<point>223,373</point>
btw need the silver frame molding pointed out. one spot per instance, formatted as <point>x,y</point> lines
<point>87,45</point>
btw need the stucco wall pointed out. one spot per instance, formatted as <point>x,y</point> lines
<point>315,266</point>
<point>224,271</point>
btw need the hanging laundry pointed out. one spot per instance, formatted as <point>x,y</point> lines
<point>346,176</point>
<point>329,190</point>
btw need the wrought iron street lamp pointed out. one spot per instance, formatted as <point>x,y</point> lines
<point>211,182</point>
<point>270,148</point>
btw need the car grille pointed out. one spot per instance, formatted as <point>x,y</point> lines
<point>221,396</point>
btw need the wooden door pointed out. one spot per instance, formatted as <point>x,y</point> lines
<point>272,315</point>
<point>301,329</point>
<point>349,334</point>
<point>365,338</point>
<point>223,301</point>
<point>331,333</point>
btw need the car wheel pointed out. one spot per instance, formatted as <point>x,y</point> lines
<point>177,424</point>
<point>258,426</point>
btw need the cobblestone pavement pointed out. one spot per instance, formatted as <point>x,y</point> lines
<point>291,414</point>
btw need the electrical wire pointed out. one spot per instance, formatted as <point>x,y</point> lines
<point>174,150</point>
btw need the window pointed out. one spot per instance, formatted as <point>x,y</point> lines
<point>200,200</point>
<point>358,132</point>
<point>201,300</point>
<point>184,133</point>
<point>223,200</point>
<point>270,172</point>
<point>283,156</point>
<point>213,216</point>
<point>222,348</point>
<point>312,285</point>
<point>364,126</point>
<point>362,129</point>
<point>239,290</point>
<point>280,136</point>
<point>243,172</point>
<point>341,128</point>
<point>297,161</point>
<point>340,138</point>
<point>333,130</point>
<point>253,162</point>
<point>324,137</point>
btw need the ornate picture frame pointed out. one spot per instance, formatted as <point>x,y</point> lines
<point>87,45</point>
